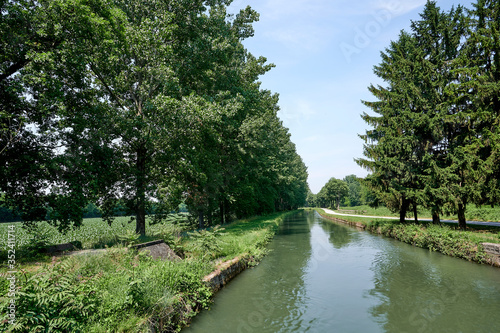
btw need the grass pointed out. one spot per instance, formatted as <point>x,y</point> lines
<point>250,236</point>
<point>473,213</point>
<point>121,290</point>
<point>93,234</point>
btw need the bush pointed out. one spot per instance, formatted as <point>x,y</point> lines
<point>53,301</point>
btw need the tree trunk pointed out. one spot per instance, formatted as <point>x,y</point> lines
<point>222,212</point>
<point>435,217</point>
<point>140,208</point>
<point>462,223</point>
<point>200,219</point>
<point>415,212</point>
<point>402,215</point>
<point>403,209</point>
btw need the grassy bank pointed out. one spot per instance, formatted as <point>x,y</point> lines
<point>473,213</point>
<point>124,291</point>
<point>444,238</point>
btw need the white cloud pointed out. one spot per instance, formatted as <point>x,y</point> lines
<point>300,38</point>
<point>296,114</point>
<point>399,7</point>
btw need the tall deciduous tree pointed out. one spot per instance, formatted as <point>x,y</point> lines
<point>138,103</point>
<point>168,51</point>
<point>42,78</point>
<point>354,195</point>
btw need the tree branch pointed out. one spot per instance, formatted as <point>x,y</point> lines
<point>110,91</point>
<point>14,68</point>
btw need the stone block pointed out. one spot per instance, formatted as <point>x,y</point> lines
<point>491,248</point>
<point>158,250</point>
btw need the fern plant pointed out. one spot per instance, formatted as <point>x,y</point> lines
<point>129,237</point>
<point>52,301</point>
<point>207,242</point>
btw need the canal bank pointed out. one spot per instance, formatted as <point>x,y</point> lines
<point>326,277</point>
<point>480,248</point>
<point>124,289</point>
<point>246,242</point>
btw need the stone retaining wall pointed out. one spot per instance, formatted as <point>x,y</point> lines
<point>493,251</point>
<point>358,225</point>
<point>225,272</point>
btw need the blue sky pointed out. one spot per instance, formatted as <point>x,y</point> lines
<point>324,52</point>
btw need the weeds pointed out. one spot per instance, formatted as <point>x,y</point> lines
<point>206,243</point>
<point>125,291</point>
<point>440,238</point>
<point>93,234</point>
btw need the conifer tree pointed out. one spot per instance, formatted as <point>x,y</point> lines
<point>438,35</point>
<point>392,147</point>
<point>479,89</point>
<point>412,149</point>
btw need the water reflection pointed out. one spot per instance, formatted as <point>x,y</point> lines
<point>325,277</point>
<point>339,235</point>
<point>422,291</point>
<point>269,298</point>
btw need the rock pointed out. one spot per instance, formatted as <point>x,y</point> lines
<point>158,250</point>
<point>492,248</point>
<point>63,247</point>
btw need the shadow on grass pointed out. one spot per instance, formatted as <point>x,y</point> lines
<point>243,226</point>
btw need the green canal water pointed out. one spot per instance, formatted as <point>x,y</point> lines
<point>325,277</point>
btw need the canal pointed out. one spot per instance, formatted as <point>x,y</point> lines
<point>325,277</point>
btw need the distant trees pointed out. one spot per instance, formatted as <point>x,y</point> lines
<point>435,134</point>
<point>354,191</point>
<point>350,191</point>
<point>332,193</point>
<point>141,104</point>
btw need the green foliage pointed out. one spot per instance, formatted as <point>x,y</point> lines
<point>332,193</point>
<point>354,195</point>
<point>53,301</point>
<point>96,293</point>
<point>434,140</point>
<point>440,238</point>
<point>124,291</point>
<point>94,233</point>
<point>206,242</point>
<point>138,106</point>
<point>129,237</point>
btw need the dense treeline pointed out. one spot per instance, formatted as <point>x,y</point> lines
<point>140,103</point>
<point>436,134</point>
<point>350,191</point>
